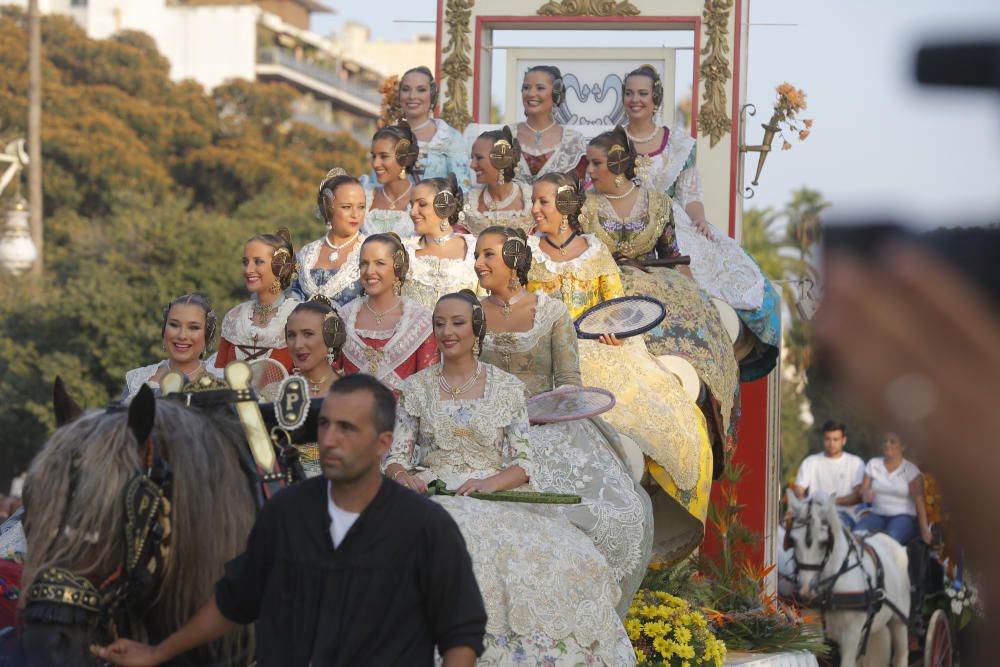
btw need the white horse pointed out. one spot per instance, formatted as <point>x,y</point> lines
<point>841,574</point>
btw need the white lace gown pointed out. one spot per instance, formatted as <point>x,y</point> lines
<point>578,456</point>
<point>339,285</point>
<point>381,220</point>
<point>476,221</point>
<point>549,593</point>
<point>565,156</point>
<point>430,278</point>
<point>720,266</point>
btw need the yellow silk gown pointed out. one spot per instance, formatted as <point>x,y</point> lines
<point>651,407</point>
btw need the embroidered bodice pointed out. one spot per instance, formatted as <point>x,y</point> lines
<point>383,220</point>
<point>543,357</point>
<point>459,439</point>
<point>565,156</point>
<point>671,168</point>
<point>339,285</point>
<point>581,282</point>
<point>250,340</point>
<point>432,277</point>
<point>476,221</point>
<point>443,154</point>
<point>637,234</point>
<point>382,353</point>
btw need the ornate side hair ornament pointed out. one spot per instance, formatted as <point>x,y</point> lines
<point>407,151</point>
<point>505,153</point>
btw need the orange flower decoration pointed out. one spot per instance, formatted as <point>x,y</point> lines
<point>808,122</point>
<point>786,146</point>
<point>803,135</point>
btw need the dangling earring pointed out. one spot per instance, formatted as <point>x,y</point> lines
<point>330,356</point>
<point>619,180</point>
<point>564,225</point>
<point>500,179</point>
<point>475,348</point>
<point>397,286</point>
<point>444,225</point>
<point>402,175</point>
<point>275,286</point>
<point>514,284</point>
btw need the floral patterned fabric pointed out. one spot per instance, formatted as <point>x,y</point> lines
<point>543,582</point>
<point>578,456</point>
<point>569,154</point>
<point>443,154</point>
<point>339,285</point>
<point>383,220</point>
<point>476,221</point>
<point>430,277</point>
<point>581,282</point>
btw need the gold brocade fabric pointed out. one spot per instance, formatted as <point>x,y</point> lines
<point>581,282</point>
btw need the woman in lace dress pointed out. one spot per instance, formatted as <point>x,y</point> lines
<point>393,156</point>
<point>546,146</point>
<point>329,266</point>
<point>532,336</point>
<point>501,200</point>
<point>665,163</point>
<point>636,226</point>
<point>441,260</point>
<point>255,329</point>
<point>187,331</point>
<point>651,407</point>
<point>549,593</point>
<point>442,149</point>
<point>388,335</point>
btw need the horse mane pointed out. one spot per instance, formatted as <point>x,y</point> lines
<point>75,509</point>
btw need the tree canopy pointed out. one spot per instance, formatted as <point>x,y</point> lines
<point>151,188</point>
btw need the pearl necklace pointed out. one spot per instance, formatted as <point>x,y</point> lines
<point>335,255</point>
<point>441,240</point>
<point>191,377</point>
<point>430,119</point>
<point>642,140</point>
<point>503,203</point>
<point>539,133</point>
<point>380,315</point>
<point>393,202</point>
<point>455,392</point>
<point>505,306</point>
<point>623,195</point>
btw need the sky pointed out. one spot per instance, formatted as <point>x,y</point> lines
<point>881,145</point>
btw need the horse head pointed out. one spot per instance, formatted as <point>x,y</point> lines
<point>814,532</point>
<point>113,548</point>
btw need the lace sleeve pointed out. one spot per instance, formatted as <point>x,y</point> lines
<point>404,449</point>
<point>516,449</point>
<point>565,354</point>
<point>688,188</point>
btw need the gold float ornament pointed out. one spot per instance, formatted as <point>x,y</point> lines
<point>456,68</point>
<point>715,71</point>
<point>588,8</point>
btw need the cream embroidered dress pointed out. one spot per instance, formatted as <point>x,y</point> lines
<point>565,156</point>
<point>550,595</point>
<point>693,328</point>
<point>383,220</point>
<point>339,285</point>
<point>242,339</point>
<point>476,221</point>
<point>431,277</point>
<point>578,456</point>
<point>651,407</point>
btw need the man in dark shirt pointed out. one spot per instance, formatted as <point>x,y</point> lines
<point>345,569</point>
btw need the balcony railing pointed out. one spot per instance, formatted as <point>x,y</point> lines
<point>276,56</point>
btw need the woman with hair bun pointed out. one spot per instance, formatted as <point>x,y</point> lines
<point>532,337</point>
<point>546,146</point>
<point>441,259</point>
<point>187,332</point>
<point>388,335</point>
<point>328,265</point>
<point>651,407</point>
<point>255,329</point>
<point>442,149</point>
<point>501,200</point>
<point>393,156</point>
<point>666,163</point>
<point>636,225</point>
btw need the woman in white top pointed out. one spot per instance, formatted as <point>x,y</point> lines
<point>393,156</point>
<point>895,488</point>
<point>546,146</point>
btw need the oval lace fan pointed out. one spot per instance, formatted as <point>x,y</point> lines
<point>624,316</point>
<point>568,403</point>
<point>267,377</point>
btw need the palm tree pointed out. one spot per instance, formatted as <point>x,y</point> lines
<point>804,224</point>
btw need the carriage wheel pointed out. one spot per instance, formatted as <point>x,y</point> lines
<point>937,641</point>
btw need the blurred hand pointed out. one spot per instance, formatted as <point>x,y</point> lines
<point>127,653</point>
<point>412,482</point>
<point>471,486</point>
<point>703,228</point>
<point>868,496</point>
<point>611,339</point>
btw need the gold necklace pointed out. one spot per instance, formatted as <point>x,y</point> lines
<point>263,310</point>
<point>314,385</point>
<point>505,306</point>
<point>455,392</point>
<point>380,315</point>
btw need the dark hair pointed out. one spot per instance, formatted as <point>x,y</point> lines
<point>406,154</point>
<point>515,252</point>
<point>327,192</point>
<point>283,257</point>
<point>334,329</point>
<point>619,150</point>
<point>384,410</point>
<point>450,185</point>
<point>558,88</point>
<point>650,71</point>
<point>400,258</point>
<point>211,321</point>
<point>513,156</point>
<point>570,203</point>
<point>831,425</point>
<point>478,316</point>
<point>426,71</point>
